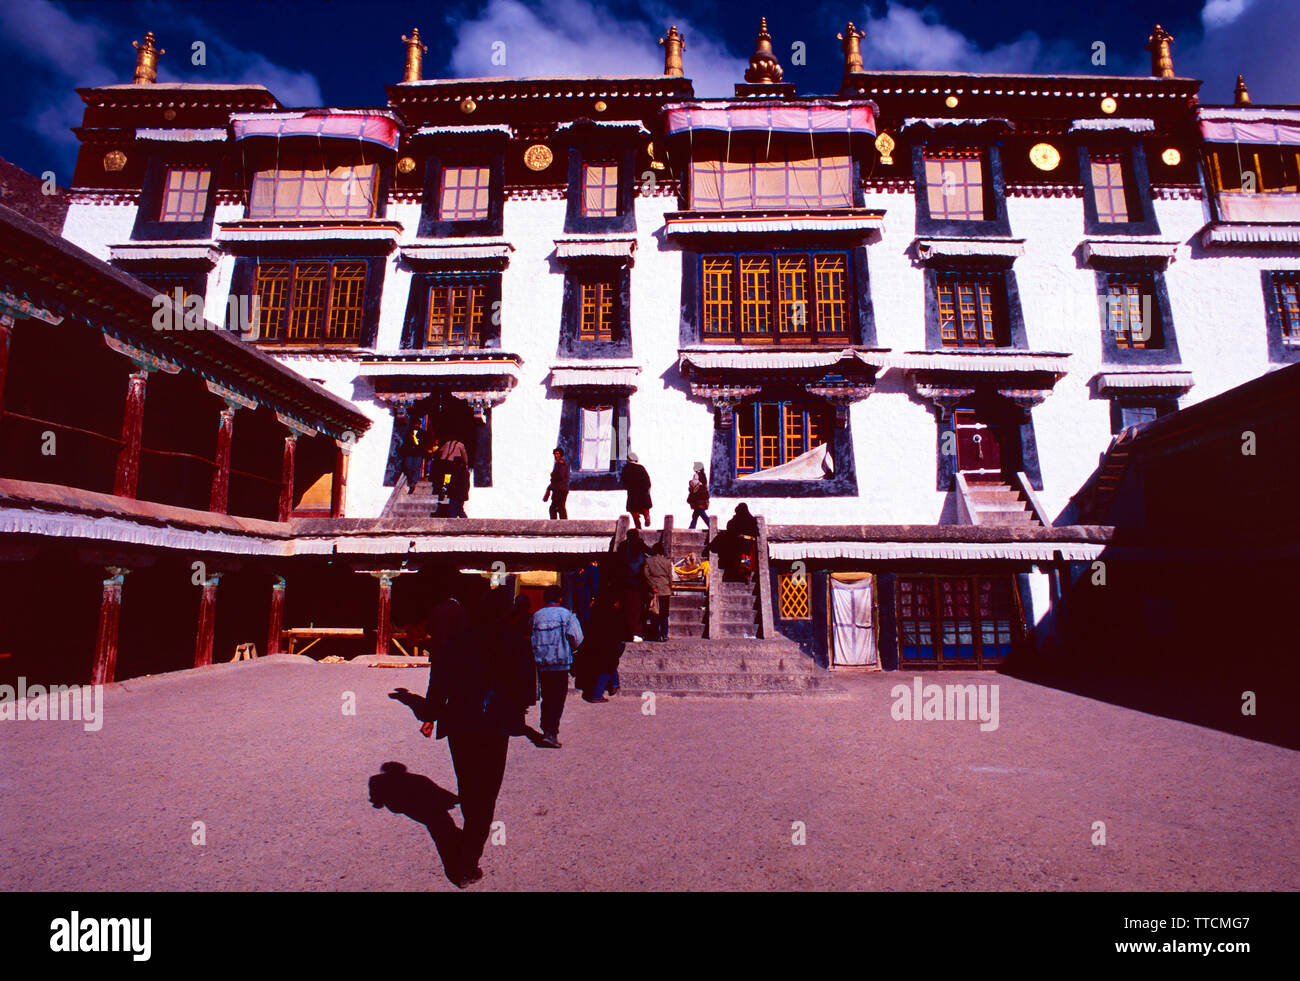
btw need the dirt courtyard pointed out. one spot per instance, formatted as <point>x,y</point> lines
<point>703,794</point>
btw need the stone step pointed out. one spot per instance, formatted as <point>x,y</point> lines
<point>685,629</point>
<point>645,657</point>
<point>1000,517</point>
<point>719,681</point>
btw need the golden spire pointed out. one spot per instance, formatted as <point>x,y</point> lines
<point>673,44</point>
<point>1162,62</point>
<point>146,60</point>
<point>763,66</point>
<point>414,56</point>
<point>1243,94</point>
<point>852,47</point>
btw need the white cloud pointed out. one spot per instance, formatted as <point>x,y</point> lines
<point>579,37</point>
<point>907,38</point>
<point>1217,13</point>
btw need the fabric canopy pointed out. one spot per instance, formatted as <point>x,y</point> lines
<point>1271,126</point>
<point>775,116</point>
<point>370,127</point>
<point>855,638</point>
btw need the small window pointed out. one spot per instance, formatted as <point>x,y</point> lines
<point>304,185</point>
<point>185,194</point>
<point>1108,187</point>
<point>596,313</point>
<point>1131,313</point>
<point>954,181</point>
<point>464,194</point>
<point>770,434</point>
<point>792,591</point>
<point>972,311</point>
<point>1286,294</point>
<point>456,314</point>
<point>305,302</point>
<point>595,437</point>
<point>600,190</point>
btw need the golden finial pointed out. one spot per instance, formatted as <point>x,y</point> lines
<point>146,60</point>
<point>414,56</point>
<point>852,47</point>
<point>673,44</point>
<point>1162,62</point>
<point>763,65</point>
<point>1243,94</point>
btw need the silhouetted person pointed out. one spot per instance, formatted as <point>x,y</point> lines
<point>454,461</point>
<point>602,649</point>
<point>636,481</point>
<point>556,635</point>
<point>479,688</point>
<point>738,546</point>
<point>412,452</point>
<point>558,489</point>
<point>628,561</point>
<point>697,496</point>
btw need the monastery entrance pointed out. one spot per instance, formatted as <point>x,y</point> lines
<point>988,444</point>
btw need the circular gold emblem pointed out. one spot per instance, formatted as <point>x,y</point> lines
<point>538,157</point>
<point>405,165</point>
<point>169,115</point>
<point>1108,105</point>
<point>600,105</point>
<point>114,160</point>
<point>468,105</point>
<point>1044,156</point>
<point>950,102</point>
<point>1172,157</point>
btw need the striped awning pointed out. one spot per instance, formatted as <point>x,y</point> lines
<point>381,128</point>
<point>481,130</point>
<point>182,135</point>
<point>936,122</point>
<point>1128,249</point>
<point>582,247</point>
<point>849,221</point>
<point>175,251</point>
<point>774,115</point>
<point>628,124</point>
<point>1243,125</point>
<point>936,248</point>
<point>749,358</point>
<point>1106,123</point>
<point>1129,380</point>
<point>1245,233</point>
<point>973,360</point>
<point>595,376</point>
<point>454,250</point>
<point>1026,551</point>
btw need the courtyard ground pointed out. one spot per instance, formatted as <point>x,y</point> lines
<point>703,794</point>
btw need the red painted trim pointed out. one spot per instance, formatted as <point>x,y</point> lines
<point>207,625</point>
<point>219,500</point>
<point>110,608</point>
<point>338,487</point>
<point>384,628</point>
<point>277,618</point>
<point>127,476</point>
<point>285,508</point>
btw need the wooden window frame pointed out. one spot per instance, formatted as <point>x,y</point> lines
<point>481,188</point>
<point>199,210</point>
<point>471,330</point>
<point>984,294</point>
<point>946,159</point>
<point>794,597</point>
<point>1121,318</point>
<point>1288,309</point>
<point>1116,174</point>
<point>282,163</point>
<point>321,329</point>
<point>598,308</point>
<point>724,299</point>
<point>751,452</point>
<point>606,186</point>
<point>935,622</point>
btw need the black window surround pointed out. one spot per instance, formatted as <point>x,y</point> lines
<point>1004,279</point>
<point>431,226</point>
<point>1279,352</point>
<point>415,325</point>
<point>148,227</point>
<point>578,270</point>
<point>244,283</point>
<point>1023,419</point>
<point>1162,331</point>
<point>843,482</point>
<point>598,148</point>
<point>569,441</point>
<point>995,192</point>
<point>1137,188</point>
<point>1162,404</point>
<point>862,315</point>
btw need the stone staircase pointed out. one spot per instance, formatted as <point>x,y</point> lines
<point>1000,504</point>
<point>688,616</point>
<point>421,504</point>
<point>729,667</point>
<point>738,614</point>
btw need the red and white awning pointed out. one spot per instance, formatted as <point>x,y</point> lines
<point>773,116</point>
<point>334,124</point>
<point>1268,126</point>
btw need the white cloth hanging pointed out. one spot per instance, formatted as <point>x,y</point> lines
<point>854,627</point>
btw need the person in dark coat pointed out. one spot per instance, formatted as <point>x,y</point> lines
<point>628,563</point>
<point>697,496</point>
<point>636,481</point>
<point>737,544</point>
<point>558,489</point>
<point>453,460</point>
<point>412,453</point>
<point>480,684</point>
<point>602,650</point>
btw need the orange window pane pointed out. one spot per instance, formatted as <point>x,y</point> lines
<point>793,432</point>
<point>272,298</point>
<point>347,301</point>
<point>947,313</point>
<point>596,316</point>
<point>830,275</point>
<point>307,315</point>
<point>1288,302</point>
<point>769,435</point>
<point>717,295</point>
<point>744,423</point>
<point>792,294</point>
<point>185,194</point>
<point>755,296</point>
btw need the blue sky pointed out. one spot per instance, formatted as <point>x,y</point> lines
<point>342,52</point>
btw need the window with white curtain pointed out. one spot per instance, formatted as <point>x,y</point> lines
<point>595,437</point>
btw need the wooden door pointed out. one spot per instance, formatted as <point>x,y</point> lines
<point>979,445</point>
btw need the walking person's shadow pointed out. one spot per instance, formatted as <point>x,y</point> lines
<point>422,800</point>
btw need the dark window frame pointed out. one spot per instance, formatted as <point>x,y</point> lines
<point>148,226</point>
<point>415,325</point>
<point>244,283</point>
<point>621,154</point>
<point>1279,352</point>
<point>1137,187</point>
<point>775,337</point>
<point>996,222</point>
<point>1162,404</point>
<point>1006,296</point>
<point>1016,628</point>
<point>571,344</point>
<point>474,155</point>
<point>1111,351</point>
<point>569,439</point>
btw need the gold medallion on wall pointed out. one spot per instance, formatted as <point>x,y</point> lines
<point>538,157</point>
<point>1044,156</point>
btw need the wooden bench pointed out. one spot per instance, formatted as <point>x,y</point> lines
<point>313,635</point>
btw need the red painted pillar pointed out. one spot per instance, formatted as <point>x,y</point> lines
<point>286,478</point>
<point>110,608</point>
<point>207,621</point>
<point>6,334</point>
<point>127,476</point>
<point>219,501</point>
<point>277,616</point>
<point>384,630</point>
<point>339,484</point>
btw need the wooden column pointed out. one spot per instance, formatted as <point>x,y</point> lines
<point>6,334</point>
<point>219,500</point>
<point>110,607</point>
<point>338,485</point>
<point>127,476</point>
<point>207,621</point>
<point>384,628</point>
<point>277,616</point>
<point>285,508</point>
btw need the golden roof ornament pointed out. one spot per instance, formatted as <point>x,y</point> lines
<point>1162,62</point>
<point>851,45</point>
<point>414,56</point>
<point>885,144</point>
<point>146,60</point>
<point>1243,94</point>
<point>674,42</point>
<point>763,66</point>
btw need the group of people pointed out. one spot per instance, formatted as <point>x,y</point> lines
<point>447,461</point>
<point>635,480</point>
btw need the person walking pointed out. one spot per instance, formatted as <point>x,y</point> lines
<point>412,453</point>
<point>453,461</point>
<point>657,573</point>
<point>480,685</point>
<point>558,489</point>
<point>603,649</point>
<point>697,496</point>
<point>636,481</point>
<point>556,635</point>
<point>631,557</point>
